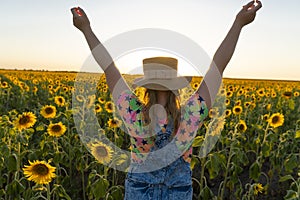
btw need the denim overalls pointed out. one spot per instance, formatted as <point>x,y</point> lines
<point>173,181</point>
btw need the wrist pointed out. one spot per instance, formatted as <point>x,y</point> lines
<point>87,30</point>
<point>237,24</point>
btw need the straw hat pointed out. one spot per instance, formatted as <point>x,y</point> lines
<point>160,73</point>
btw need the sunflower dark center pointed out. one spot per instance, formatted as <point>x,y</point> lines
<point>60,100</point>
<point>56,128</point>
<point>109,106</point>
<point>237,110</point>
<point>24,120</point>
<point>101,151</point>
<point>275,119</point>
<point>287,94</point>
<point>241,127</point>
<point>40,169</point>
<point>49,110</point>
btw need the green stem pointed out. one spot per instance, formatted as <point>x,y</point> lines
<point>48,192</point>
<point>203,161</point>
<point>83,183</point>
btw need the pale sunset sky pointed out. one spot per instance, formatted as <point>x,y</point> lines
<point>39,34</point>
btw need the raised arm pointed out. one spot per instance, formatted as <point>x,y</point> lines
<point>114,79</point>
<point>212,80</point>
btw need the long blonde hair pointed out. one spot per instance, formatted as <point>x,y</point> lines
<point>172,107</point>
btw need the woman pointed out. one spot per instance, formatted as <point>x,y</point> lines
<point>161,131</point>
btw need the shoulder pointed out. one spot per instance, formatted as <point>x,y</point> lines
<point>196,104</point>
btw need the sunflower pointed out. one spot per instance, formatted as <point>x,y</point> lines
<point>39,171</point>
<point>98,108</point>
<point>240,92</point>
<point>109,107</point>
<point>229,94</point>
<point>222,91</point>
<point>101,100</point>
<point>59,100</point>
<point>247,104</point>
<point>35,89</point>
<point>296,94</point>
<point>287,94</point>
<point>104,90</point>
<point>261,92</point>
<point>48,111</point>
<point>252,105</point>
<point>257,188</point>
<point>80,98</point>
<point>266,117</point>
<point>241,126</point>
<point>273,94</point>
<point>57,129</point>
<point>276,120</point>
<point>101,152</point>
<point>4,84</point>
<point>238,102</point>
<point>268,106</point>
<point>227,112</point>
<point>25,120</point>
<point>195,85</point>
<point>212,113</point>
<point>114,123</point>
<point>90,101</point>
<point>227,102</point>
<point>237,110</point>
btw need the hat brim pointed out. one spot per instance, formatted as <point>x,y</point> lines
<point>162,84</point>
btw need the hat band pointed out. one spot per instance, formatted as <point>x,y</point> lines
<point>160,74</point>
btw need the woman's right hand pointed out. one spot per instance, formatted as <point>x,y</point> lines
<point>80,19</point>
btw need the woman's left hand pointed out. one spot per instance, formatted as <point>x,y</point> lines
<point>248,13</point>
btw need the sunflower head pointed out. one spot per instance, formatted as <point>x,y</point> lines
<point>59,100</point>
<point>237,110</point>
<point>98,108</point>
<point>25,120</point>
<point>241,126</point>
<point>48,111</point>
<point>266,117</point>
<point>276,120</point>
<point>227,112</point>
<point>114,123</point>
<point>109,107</point>
<point>39,171</point>
<point>257,188</point>
<point>101,100</point>
<point>261,92</point>
<point>268,106</point>
<point>101,152</point>
<point>287,94</point>
<point>212,113</point>
<point>227,102</point>
<point>57,129</point>
<point>195,85</point>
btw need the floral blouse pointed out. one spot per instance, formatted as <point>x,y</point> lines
<point>130,109</point>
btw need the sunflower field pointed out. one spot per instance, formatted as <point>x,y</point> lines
<point>256,156</point>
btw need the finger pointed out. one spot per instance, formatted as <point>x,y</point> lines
<point>248,5</point>
<point>258,6</point>
<point>73,10</point>
<point>81,10</point>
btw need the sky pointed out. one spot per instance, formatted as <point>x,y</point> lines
<point>39,34</point>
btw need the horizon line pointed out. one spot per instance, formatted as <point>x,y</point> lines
<point>63,71</point>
